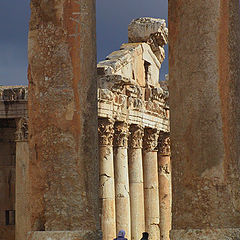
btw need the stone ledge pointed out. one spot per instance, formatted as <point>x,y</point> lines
<point>206,234</point>
<point>64,235</point>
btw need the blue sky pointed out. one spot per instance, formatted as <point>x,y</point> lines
<point>113,17</point>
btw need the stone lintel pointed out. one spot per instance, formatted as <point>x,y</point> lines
<point>206,234</point>
<point>64,235</point>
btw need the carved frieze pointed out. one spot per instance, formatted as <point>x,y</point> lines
<point>136,136</point>
<point>164,144</point>
<point>150,140</point>
<point>105,94</point>
<point>121,133</point>
<point>105,131</point>
<point>22,130</point>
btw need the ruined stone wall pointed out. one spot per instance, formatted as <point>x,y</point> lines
<point>7,178</point>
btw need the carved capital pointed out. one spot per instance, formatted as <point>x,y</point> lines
<point>136,136</point>
<point>105,131</point>
<point>150,140</point>
<point>164,144</point>
<point>121,134</point>
<point>22,130</point>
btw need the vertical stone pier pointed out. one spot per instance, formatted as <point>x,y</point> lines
<point>63,169</point>
<point>205,130</point>
<point>165,187</point>
<point>22,220</point>
<point>136,181</point>
<point>107,187</point>
<point>123,214</point>
<point>151,191</point>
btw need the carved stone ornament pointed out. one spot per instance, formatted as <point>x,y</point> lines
<point>164,144</point>
<point>22,130</point>
<point>105,131</point>
<point>150,140</point>
<point>136,136</point>
<point>121,134</point>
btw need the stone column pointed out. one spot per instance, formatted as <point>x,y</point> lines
<point>205,130</point>
<point>123,216</point>
<point>22,220</point>
<point>165,188</point>
<point>107,187</point>
<point>64,170</point>
<point>151,192</point>
<point>136,181</point>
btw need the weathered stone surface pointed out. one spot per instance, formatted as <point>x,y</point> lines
<point>64,235</point>
<point>136,181</point>
<point>151,190</point>
<point>165,187</point>
<point>122,178</point>
<point>22,218</point>
<point>206,234</point>
<point>139,30</point>
<point>7,178</point>
<point>107,183</point>
<point>63,170</point>
<point>205,113</point>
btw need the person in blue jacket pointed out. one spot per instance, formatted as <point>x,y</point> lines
<point>121,235</point>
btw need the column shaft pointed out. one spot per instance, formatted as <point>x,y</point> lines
<point>205,130</point>
<point>22,220</point>
<point>165,187</point>
<point>64,171</point>
<point>123,215</point>
<point>107,187</point>
<point>136,182</point>
<point>151,192</point>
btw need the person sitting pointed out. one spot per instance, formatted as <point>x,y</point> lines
<point>144,236</point>
<point>121,235</point>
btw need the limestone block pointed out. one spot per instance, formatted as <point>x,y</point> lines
<point>139,30</point>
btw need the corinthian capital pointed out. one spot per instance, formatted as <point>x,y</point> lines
<point>136,136</point>
<point>121,134</point>
<point>164,144</point>
<point>150,140</point>
<point>22,130</point>
<point>105,131</point>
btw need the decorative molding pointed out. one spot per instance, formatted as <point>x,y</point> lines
<point>136,136</point>
<point>22,130</point>
<point>150,140</point>
<point>121,134</point>
<point>105,131</point>
<point>164,144</point>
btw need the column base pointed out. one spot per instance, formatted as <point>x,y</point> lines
<point>64,235</point>
<point>206,234</point>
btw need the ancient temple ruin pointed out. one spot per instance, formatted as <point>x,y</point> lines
<point>52,144</point>
<point>133,140</point>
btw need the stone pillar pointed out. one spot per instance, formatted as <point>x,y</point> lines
<point>205,130</point>
<point>64,170</point>
<point>165,188</point>
<point>136,181</point>
<point>22,220</point>
<point>107,187</point>
<point>151,192</point>
<point>123,216</point>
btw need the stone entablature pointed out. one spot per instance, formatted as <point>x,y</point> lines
<point>13,101</point>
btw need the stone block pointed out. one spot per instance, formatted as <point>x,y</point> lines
<point>139,30</point>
